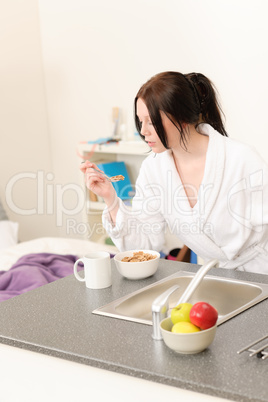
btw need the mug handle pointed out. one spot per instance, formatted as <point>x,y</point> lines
<point>75,270</point>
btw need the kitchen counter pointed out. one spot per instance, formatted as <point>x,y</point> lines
<point>56,320</point>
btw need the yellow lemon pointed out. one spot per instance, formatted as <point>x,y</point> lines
<point>184,328</point>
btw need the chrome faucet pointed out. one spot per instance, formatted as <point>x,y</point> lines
<point>160,305</point>
<point>197,279</point>
<point>160,309</point>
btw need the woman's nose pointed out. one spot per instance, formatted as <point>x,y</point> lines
<point>144,129</point>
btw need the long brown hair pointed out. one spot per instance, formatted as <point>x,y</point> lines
<point>189,98</point>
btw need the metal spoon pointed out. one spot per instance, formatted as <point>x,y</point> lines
<point>112,179</point>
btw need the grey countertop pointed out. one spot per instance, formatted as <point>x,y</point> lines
<point>57,320</point>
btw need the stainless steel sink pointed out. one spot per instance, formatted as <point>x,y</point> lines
<point>229,296</point>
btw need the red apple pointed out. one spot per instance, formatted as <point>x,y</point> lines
<point>203,315</point>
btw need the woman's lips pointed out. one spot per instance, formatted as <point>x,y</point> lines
<point>151,144</point>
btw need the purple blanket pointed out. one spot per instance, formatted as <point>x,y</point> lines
<point>32,271</point>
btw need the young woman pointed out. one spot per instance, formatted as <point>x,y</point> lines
<point>210,190</point>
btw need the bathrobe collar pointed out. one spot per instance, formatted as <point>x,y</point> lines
<point>212,179</point>
<point>207,196</point>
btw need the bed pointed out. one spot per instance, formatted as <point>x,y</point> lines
<point>27,265</point>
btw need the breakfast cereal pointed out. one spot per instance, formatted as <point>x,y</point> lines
<point>139,256</point>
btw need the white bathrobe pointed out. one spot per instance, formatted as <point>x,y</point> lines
<point>229,222</point>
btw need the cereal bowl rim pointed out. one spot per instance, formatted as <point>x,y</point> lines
<point>138,269</point>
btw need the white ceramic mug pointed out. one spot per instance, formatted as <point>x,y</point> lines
<point>97,270</point>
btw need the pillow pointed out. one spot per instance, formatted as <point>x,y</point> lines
<point>3,215</point>
<point>8,234</point>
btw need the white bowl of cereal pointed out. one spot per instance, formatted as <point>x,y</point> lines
<point>137,264</point>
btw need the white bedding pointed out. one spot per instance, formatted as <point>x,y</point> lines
<point>56,245</point>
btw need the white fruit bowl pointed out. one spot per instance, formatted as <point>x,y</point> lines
<point>136,270</point>
<point>190,343</point>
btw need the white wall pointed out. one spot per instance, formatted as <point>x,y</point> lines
<point>24,140</point>
<point>96,54</point>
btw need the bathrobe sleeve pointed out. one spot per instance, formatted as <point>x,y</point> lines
<point>240,213</point>
<point>142,225</point>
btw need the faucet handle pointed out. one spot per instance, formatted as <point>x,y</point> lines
<point>160,308</point>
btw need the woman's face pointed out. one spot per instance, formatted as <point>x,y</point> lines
<point>148,130</point>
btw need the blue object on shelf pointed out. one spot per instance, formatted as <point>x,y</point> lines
<point>193,258</point>
<point>102,140</point>
<point>124,188</point>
